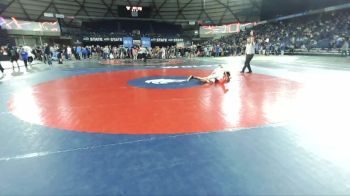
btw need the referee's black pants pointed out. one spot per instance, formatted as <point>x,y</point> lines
<point>1,68</point>
<point>248,58</point>
<point>144,56</point>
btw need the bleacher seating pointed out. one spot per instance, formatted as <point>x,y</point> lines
<point>5,39</point>
<point>319,34</point>
<point>129,27</point>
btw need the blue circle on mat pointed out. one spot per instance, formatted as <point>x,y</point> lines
<point>164,82</point>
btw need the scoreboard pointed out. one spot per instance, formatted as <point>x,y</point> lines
<point>210,31</point>
<point>134,11</point>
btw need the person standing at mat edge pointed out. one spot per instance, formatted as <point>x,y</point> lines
<point>2,71</point>
<point>249,51</point>
<point>2,51</point>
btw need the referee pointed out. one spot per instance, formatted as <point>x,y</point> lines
<point>2,70</point>
<point>249,51</point>
<point>1,58</point>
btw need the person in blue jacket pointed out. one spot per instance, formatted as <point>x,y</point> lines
<point>24,56</point>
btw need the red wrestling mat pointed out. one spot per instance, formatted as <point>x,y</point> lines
<point>105,103</point>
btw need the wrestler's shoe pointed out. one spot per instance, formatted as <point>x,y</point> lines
<point>189,78</point>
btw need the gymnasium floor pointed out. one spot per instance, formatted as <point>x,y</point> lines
<point>124,128</point>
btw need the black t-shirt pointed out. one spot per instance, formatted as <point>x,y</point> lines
<point>47,50</point>
<point>13,54</point>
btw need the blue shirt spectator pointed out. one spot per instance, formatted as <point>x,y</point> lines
<point>24,55</point>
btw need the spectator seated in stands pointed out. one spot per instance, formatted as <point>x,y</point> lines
<point>321,31</point>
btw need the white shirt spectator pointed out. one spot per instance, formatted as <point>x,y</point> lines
<point>345,45</point>
<point>250,48</point>
<point>106,50</point>
<point>69,50</point>
<point>143,50</point>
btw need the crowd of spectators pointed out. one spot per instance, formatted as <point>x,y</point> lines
<point>60,53</point>
<point>132,28</point>
<point>121,52</point>
<point>126,34</point>
<point>328,31</point>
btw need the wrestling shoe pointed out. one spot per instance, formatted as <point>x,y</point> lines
<point>189,78</point>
